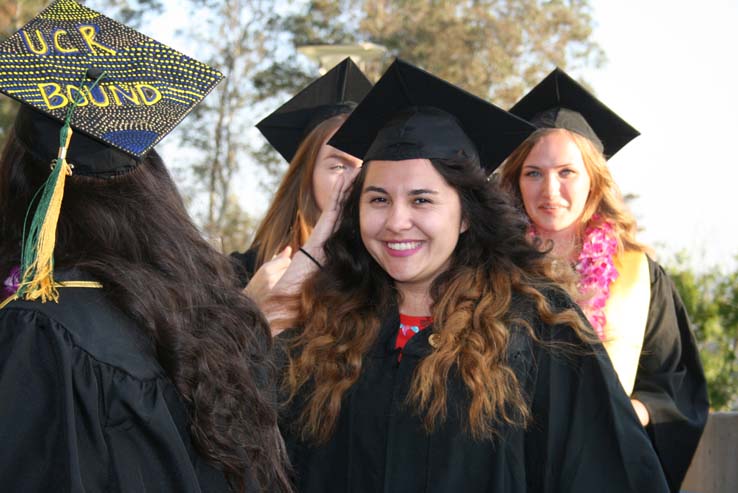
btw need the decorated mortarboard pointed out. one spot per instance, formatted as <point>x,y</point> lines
<point>337,92</point>
<point>120,92</point>
<point>413,114</point>
<point>145,90</point>
<point>559,101</point>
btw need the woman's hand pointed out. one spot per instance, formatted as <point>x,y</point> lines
<point>279,313</point>
<point>328,219</point>
<point>301,266</point>
<point>267,276</point>
<point>641,411</point>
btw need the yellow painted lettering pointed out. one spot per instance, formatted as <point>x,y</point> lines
<point>54,99</point>
<point>117,92</point>
<point>43,49</point>
<point>88,34</point>
<point>95,101</point>
<point>149,94</point>
<point>57,34</point>
<point>78,96</point>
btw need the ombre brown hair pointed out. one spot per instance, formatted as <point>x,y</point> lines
<point>343,304</point>
<point>294,211</point>
<point>605,199</point>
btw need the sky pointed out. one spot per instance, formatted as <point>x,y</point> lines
<point>672,72</point>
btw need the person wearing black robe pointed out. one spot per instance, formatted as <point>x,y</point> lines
<point>489,321</point>
<point>643,323</point>
<point>670,380</point>
<point>298,130</point>
<point>130,360</point>
<point>86,404</point>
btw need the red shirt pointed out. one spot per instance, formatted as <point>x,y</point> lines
<point>409,326</point>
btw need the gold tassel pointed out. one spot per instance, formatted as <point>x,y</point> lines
<point>42,284</point>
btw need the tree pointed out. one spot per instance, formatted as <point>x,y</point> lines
<point>711,299</point>
<point>218,134</point>
<point>13,15</point>
<point>493,48</point>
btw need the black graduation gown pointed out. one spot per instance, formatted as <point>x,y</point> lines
<point>85,407</point>
<point>584,435</point>
<point>244,264</point>
<point>670,381</point>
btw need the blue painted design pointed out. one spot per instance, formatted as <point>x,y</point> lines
<point>135,141</point>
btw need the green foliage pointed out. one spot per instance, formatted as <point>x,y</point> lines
<point>711,299</point>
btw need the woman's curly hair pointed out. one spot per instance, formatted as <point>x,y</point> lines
<point>342,304</point>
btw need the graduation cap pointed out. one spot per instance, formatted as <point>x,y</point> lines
<point>413,114</point>
<point>559,101</point>
<point>337,92</point>
<point>120,92</point>
<point>145,90</point>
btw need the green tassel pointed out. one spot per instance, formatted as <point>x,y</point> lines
<point>32,239</point>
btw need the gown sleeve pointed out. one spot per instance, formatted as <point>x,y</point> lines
<point>35,454</point>
<point>670,381</point>
<point>584,434</point>
<point>70,422</point>
<point>244,264</point>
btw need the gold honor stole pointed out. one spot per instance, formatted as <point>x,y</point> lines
<point>627,314</point>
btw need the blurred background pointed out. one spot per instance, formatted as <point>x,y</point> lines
<point>668,67</point>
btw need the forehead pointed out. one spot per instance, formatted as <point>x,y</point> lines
<point>554,149</point>
<point>327,150</point>
<point>411,173</point>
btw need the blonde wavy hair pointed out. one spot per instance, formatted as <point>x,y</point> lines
<point>605,199</point>
<point>292,215</point>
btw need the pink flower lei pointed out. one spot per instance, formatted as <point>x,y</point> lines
<point>597,271</point>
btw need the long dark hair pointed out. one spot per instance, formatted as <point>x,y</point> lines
<point>342,304</point>
<point>133,234</point>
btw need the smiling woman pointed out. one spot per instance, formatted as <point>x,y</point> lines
<point>434,352</point>
<point>410,221</point>
<point>561,178</point>
<point>554,185</point>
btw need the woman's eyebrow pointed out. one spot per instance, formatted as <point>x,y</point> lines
<point>372,188</point>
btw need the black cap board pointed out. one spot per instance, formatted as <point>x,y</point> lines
<point>559,101</point>
<point>337,92</point>
<point>411,113</point>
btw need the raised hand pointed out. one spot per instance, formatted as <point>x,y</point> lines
<point>267,276</point>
